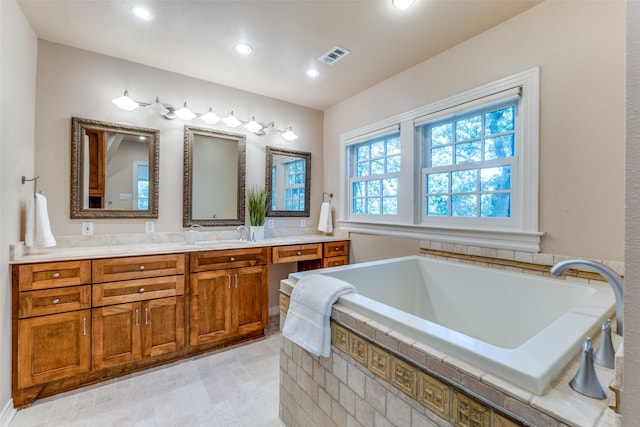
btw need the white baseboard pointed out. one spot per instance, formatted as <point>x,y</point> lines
<point>7,414</point>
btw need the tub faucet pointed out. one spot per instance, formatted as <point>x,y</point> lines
<point>246,230</point>
<point>612,277</point>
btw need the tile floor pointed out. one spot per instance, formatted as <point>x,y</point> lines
<point>238,387</point>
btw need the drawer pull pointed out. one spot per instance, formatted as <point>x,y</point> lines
<point>228,281</point>
<point>142,268</point>
<point>335,263</point>
<point>337,248</point>
<point>236,280</point>
<point>137,322</point>
<point>141,290</point>
<point>232,259</point>
<point>146,315</point>
<point>299,253</point>
<point>84,325</point>
<point>56,301</point>
<point>56,275</point>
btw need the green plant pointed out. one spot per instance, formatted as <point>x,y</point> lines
<point>257,205</point>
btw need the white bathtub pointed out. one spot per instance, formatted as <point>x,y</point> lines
<point>522,328</point>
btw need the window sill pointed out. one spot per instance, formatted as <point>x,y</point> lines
<point>524,241</point>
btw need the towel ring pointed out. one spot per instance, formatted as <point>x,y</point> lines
<point>327,194</point>
<point>35,183</point>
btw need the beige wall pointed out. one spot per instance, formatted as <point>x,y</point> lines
<point>579,47</point>
<point>631,393</point>
<point>18,48</point>
<point>73,82</point>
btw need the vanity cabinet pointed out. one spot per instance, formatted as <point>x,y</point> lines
<point>52,321</point>
<point>228,295</point>
<point>138,308</point>
<point>78,322</point>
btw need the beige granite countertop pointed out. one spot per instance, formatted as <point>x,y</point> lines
<point>22,255</point>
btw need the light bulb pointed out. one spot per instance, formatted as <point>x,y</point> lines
<point>289,135</point>
<point>253,126</point>
<point>185,113</point>
<point>231,121</point>
<point>157,108</point>
<point>125,102</point>
<point>210,117</point>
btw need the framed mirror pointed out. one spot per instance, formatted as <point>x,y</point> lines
<point>288,182</point>
<point>213,178</point>
<point>114,170</point>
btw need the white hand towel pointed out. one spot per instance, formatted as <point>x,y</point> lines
<point>308,319</point>
<point>325,224</point>
<point>38,233</point>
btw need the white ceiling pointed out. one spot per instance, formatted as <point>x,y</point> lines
<point>197,38</point>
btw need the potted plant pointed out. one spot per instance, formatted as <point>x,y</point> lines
<point>257,205</point>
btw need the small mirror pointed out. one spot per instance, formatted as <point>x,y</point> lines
<point>214,178</point>
<point>114,170</point>
<point>288,178</point>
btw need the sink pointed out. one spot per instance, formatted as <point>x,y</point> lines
<point>221,243</point>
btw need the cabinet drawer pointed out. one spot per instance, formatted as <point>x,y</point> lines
<point>231,258</point>
<point>291,253</point>
<point>335,261</point>
<point>137,290</point>
<point>332,249</point>
<point>51,301</point>
<point>113,269</point>
<point>53,275</point>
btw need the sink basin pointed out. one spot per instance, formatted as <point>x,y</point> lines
<point>221,243</point>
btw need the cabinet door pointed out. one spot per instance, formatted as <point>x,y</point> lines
<point>116,334</point>
<point>250,299</point>
<point>53,347</point>
<point>162,326</point>
<point>210,306</point>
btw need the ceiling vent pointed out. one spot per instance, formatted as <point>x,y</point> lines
<point>334,55</point>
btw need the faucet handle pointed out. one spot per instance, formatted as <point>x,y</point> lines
<point>586,380</point>
<point>605,354</point>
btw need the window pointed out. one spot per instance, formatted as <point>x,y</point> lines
<point>469,161</point>
<point>142,186</point>
<point>462,170</point>
<point>374,176</point>
<point>294,187</point>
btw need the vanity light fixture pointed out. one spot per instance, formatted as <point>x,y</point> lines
<point>210,117</point>
<point>288,134</point>
<point>169,112</point>
<point>253,126</point>
<point>125,102</point>
<point>231,121</point>
<point>157,108</point>
<point>185,113</point>
<point>402,4</point>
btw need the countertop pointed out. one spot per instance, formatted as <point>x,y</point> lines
<point>133,249</point>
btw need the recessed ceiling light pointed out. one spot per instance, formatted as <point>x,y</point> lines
<point>142,13</point>
<point>244,49</point>
<point>313,73</point>
<point>402,4</point>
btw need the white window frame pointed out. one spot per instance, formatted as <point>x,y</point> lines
<point>519,233</point>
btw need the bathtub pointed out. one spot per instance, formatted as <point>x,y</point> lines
<point>522,328</point>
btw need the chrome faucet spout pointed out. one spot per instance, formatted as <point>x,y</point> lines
<point>611,276</point>
<point>242,228</point>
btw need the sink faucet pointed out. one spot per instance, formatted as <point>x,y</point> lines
<point>612,277</point>
<point>246,230</point>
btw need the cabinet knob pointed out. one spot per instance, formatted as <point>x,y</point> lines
<point>141,267</point>
<point>141,290</point>
<point>299,253</point>
<point>232,259</point>
<point>56,275</point>
<point>337,248</point>
<point>56,301</point>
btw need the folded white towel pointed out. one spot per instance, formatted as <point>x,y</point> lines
<point>325,224</point>
<point>308,319</point>
<point>38,230</point>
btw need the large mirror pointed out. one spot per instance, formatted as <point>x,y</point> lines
<point>114,170</point>
<point>214,178</point>
<point>288,182</point>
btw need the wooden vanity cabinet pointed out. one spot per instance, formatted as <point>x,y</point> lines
<point>52,321</point>
<point>141,314</point>
<point>335,253</point>
<point>228,295</point>
<point>314,255</point>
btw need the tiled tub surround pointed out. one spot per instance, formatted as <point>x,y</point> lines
<point>558,406</point>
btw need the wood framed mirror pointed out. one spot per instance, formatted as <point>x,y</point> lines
<point>213,178</point>
<point>288,182</point>
<point>114,170</point>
